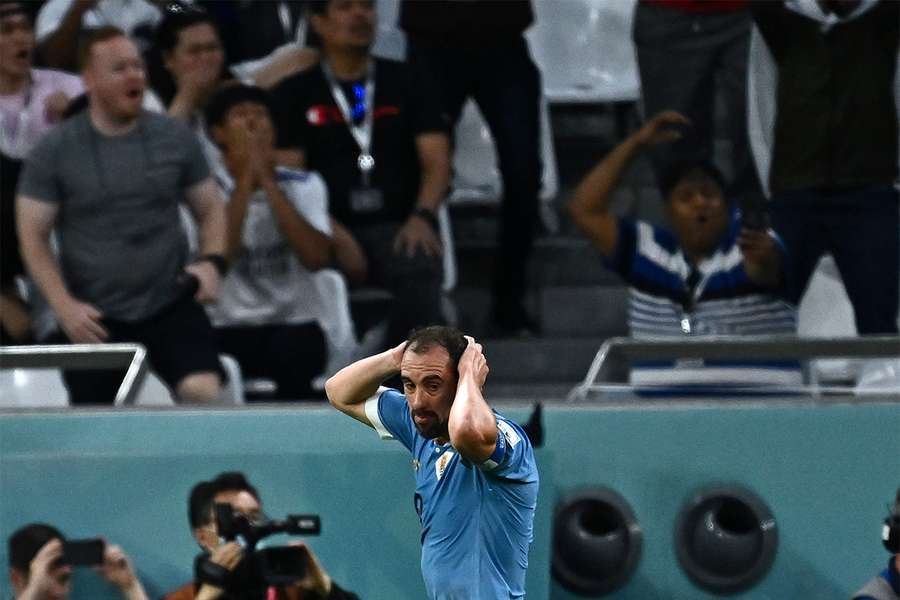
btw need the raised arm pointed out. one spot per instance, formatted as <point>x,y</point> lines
<point>59,48</point>
<point>472,425</point>
<point>349,388</point>
<point>589,206</point>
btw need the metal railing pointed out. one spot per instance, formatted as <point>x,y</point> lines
<point>611,364</point>
<point>84,356</point>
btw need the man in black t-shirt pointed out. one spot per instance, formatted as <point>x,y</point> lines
<point>381,145</point>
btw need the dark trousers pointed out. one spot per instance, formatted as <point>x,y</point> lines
<point>861,229</point>
<point>290,355</point>
<point>179,341</point>
<point>506,85</point>
<point>415,281</point>
<point>684,61</point>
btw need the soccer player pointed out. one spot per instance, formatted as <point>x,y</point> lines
<point>476,477</point>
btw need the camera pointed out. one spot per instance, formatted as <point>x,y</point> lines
<point>259,568</point>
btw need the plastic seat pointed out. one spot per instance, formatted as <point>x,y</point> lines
<point>21,388</point>
<point>585,50</point>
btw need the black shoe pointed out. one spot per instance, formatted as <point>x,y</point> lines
<point>512,320</point>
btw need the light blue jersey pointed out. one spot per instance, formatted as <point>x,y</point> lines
<point>476,519</point>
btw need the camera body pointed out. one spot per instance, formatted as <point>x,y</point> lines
<point>259,568</point>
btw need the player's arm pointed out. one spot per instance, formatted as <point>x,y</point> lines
<point>350,388</point>
<point>472,425</point>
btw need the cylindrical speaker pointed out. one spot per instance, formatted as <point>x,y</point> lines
<point>726,538</point>
<point>596,542</point>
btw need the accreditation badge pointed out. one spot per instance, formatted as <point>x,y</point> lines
<point>366,200</point>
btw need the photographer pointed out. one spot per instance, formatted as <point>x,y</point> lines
<point>41,563</point>
<point>225,560</point>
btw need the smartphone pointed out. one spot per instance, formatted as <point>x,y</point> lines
<point>282,565</point>
<point>754,214</point>
<point>83,553</point>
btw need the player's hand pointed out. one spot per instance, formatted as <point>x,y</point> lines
<point>473,362</point>
<point>417,234</point>
<point>316,580</point>
<point>55,105</point>
<point>81,322</point>
<point>209,278</point>
<point>396,355</point>
<point>663,127</point>
<point>45,570</point>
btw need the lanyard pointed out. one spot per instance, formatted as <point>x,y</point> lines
<point>691,303</point>
<point>362,132</point>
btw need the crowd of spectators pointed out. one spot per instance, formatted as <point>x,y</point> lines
<point>297,150</point>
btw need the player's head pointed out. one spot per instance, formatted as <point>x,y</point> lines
<point>231,488</point>
<point>429,375</point>
<point>344,24</point>
<point>24,545</point>
<point>695,204</point>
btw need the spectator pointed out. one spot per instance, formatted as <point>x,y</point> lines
<point>886,586</point>
<point>478,49</point>
<point>234,489</point>
<point>710,275</point>
<point>279,235</point>
<point>689,53</point>
<point>61,25</point>
<point>194,62</point>
<point>31,101</point>
<point>380,143</point>
<point>37,568</point>
<point>110,180</point>
<point>824,97</point>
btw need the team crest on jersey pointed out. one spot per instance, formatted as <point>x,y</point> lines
<point>441,465</point>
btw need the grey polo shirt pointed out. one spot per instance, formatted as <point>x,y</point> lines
<point>121,243</point>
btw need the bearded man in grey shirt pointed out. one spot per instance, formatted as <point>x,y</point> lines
<point>110,180</point>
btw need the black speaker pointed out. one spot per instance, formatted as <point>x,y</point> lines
<point>596,542</point>
<point>725,538</point>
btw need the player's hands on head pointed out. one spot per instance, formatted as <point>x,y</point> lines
<point>473,362</point>
<point>664,127</point>
<point>396,354</point>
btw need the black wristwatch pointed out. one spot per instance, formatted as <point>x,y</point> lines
<point>217,260</point>
<point>426,215</point>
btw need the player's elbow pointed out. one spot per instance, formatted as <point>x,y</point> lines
<point>472,441</point>
<point>332,392</point>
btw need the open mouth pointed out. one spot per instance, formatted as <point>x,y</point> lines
<point>22,54</point>
<point>134,94</point>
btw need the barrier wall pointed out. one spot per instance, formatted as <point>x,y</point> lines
<point>825,471</point>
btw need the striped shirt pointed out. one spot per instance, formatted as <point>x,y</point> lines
<point>671,297</point>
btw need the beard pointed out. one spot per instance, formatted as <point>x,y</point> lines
<point>433,427</point>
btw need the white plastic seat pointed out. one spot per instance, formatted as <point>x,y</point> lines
<point>585,50</point>
<point>21,388</point>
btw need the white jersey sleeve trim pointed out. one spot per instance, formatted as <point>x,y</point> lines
<point>374,417</point>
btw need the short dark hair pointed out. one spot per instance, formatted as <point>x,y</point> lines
<point>449,338</point>
<point>688,169</point>
<point>200,500</point>
<point>25,543</point>
<point>317,7</point>
<point>176,19</point>
<point>231,94</point>
<point>92,37</point>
